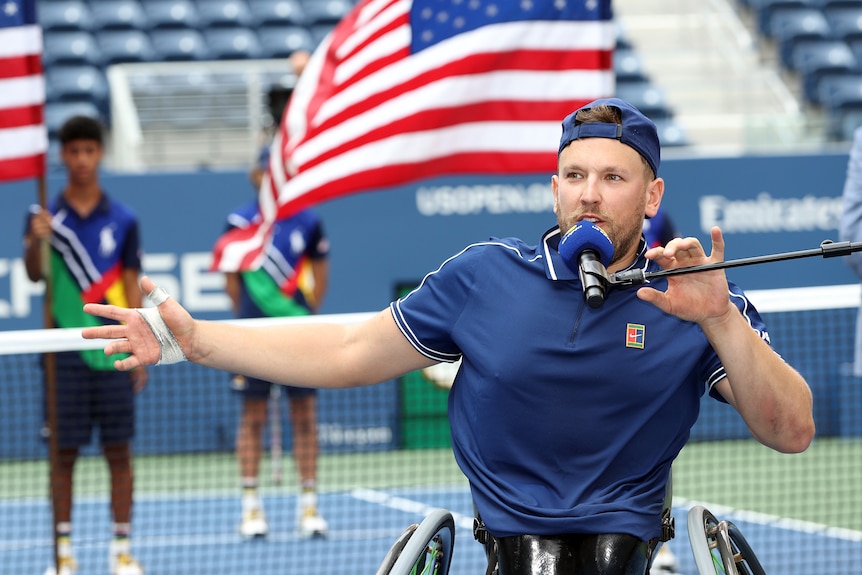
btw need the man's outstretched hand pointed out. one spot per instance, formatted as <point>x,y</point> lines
<point>133,335</point>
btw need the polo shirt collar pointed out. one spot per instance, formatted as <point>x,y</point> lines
<point>103,206</point>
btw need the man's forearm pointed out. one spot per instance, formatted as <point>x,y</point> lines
<point>771,396</point>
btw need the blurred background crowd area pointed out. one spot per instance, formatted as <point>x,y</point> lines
<point>196,84</point>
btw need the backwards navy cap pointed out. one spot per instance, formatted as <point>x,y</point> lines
<point>636,130</point>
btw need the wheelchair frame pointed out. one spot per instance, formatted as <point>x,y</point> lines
<point>422,549</point>
<point>719,548</point>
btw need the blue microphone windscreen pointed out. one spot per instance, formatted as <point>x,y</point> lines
<point>582,236</point>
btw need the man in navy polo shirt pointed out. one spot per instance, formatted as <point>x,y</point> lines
<point>565,418</point>
<point>292,282</point>
<point>95,256</point>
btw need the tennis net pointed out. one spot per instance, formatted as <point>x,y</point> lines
<point>386,460</point>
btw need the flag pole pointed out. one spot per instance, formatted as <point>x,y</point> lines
<point>24,112</point>
<point>50,374</point>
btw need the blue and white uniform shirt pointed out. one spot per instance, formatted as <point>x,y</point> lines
<point>284,284</point>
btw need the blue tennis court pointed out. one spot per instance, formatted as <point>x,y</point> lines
<point>196,533</point>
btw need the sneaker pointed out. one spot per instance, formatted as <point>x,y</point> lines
<point>68,566</point>
<point>311,524</point>
<point>253,523</point>
<point>125,564</point>
<point>665,561</point>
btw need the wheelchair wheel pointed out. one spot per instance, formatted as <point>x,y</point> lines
<point>423,549</point>
<point>719,547</point>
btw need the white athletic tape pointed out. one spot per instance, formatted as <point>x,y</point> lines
<point>169,349</point>
<point>158,296</point>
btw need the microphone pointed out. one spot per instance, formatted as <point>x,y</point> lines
<point>587,249</point>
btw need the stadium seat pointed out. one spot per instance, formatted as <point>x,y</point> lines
<point>628,65</point>
<point>790,27</point>
<point>277,13</point>
<point>171,14</point>
<point>77,84</point>
<point>830,4</point>
<point>121,46</point>
<point>282,41</point>
<point>845,23</point>
<point>179,45</point>
<point>840,93</point>
<point>64,15</point>
<point>764,9</point>
<point>816,60</point>
<point>232,43</point>
<point>623,42</point>
<point>646,97</point>
<point>223,13</point>
<point>325,11</point>
<point>118,15</point>
<point>58,112</point>
<point>70,47</point>
<point>319,32</point>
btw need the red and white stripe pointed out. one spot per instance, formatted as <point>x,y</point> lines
<point>23,140</point>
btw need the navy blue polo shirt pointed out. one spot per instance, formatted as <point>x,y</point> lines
<point>564,418</point>
<point>95,249</point>
<point>88,257</point>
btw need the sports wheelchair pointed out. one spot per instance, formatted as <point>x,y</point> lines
<point>719,547</point>
<point>424,548</point>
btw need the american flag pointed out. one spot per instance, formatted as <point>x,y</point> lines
<point>405,90</point>
<point>23,140</point>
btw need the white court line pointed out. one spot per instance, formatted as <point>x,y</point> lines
<point>199,540</point>
<point>810,527</point>
<point>463,521</point>
<point>407,505</point>
<point>411,506</point>
<point>176,540</point>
